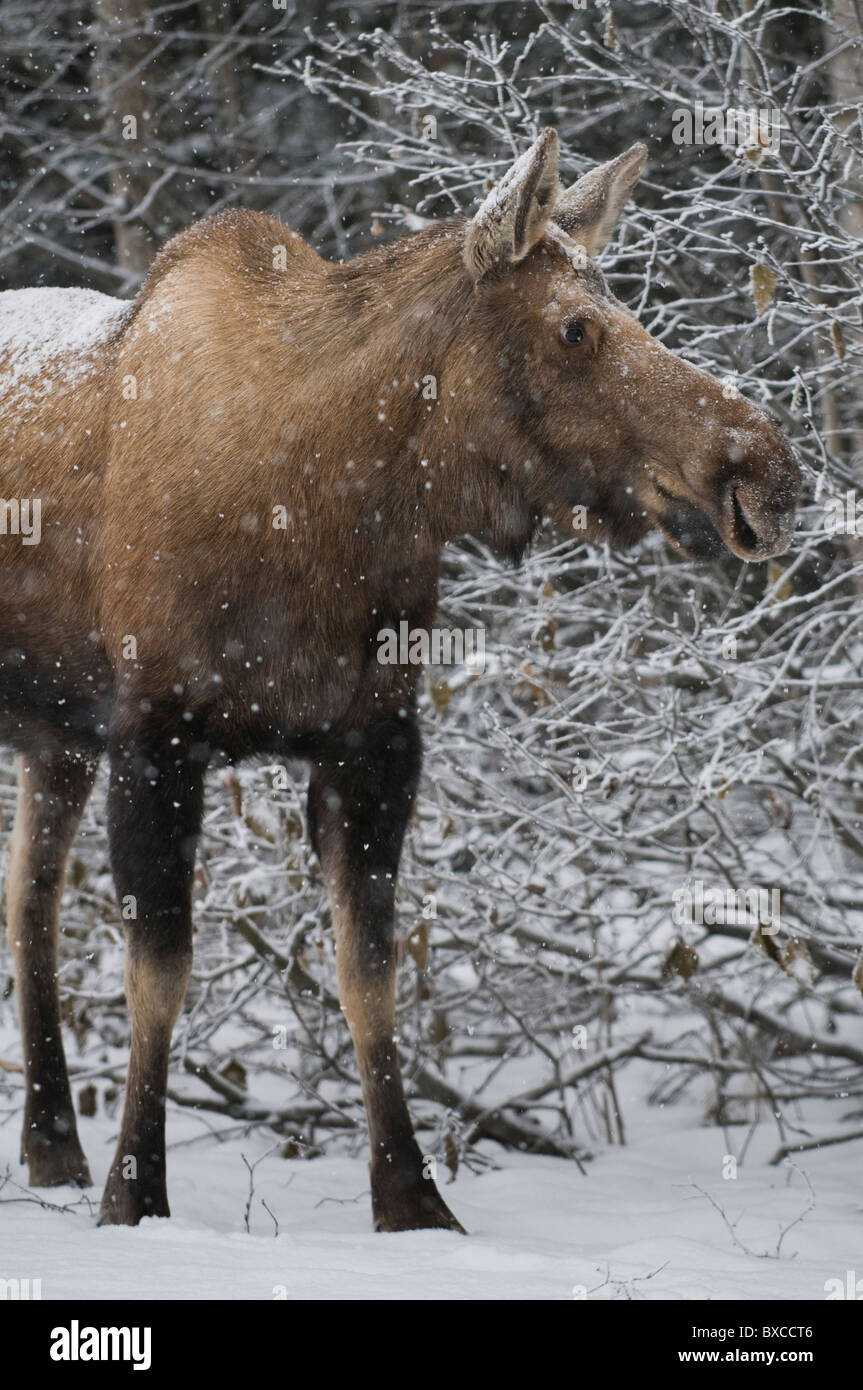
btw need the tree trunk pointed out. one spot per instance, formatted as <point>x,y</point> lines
<point>846,91</point>
<point>121,58</point>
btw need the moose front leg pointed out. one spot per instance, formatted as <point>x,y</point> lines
<point>360,797</point>
<point>51,797</point>
<point>155,803</point>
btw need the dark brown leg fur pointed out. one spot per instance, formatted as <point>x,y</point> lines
<point>154,813</point>
<point>51,798</point>
<point>359,801</point>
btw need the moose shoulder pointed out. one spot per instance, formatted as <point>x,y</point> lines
<point>243,477</point>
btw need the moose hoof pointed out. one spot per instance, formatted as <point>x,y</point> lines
<point>419,1207</point>
<point>56,1162</point>
<point>124,1204</point>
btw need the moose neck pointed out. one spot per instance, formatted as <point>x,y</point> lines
<point>418,422</point>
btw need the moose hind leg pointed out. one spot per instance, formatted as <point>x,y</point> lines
<point>51,798</point>
<point>359,801</point>
<point>155,803</point>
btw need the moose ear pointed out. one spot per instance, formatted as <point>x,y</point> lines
<point>515,214</point>
<point>590,210</point>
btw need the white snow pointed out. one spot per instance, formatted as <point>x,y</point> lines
<point>50,333</point>
<point>636,1226</point>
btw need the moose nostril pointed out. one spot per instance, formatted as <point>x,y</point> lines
<point>757,522</point>
<point>745,532</point>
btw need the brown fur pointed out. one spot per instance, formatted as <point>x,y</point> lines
<point>302,387</point>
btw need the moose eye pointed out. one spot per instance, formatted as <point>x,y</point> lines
<point>574,332</point>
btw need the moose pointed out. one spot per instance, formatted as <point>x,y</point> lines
<point>242,482</point>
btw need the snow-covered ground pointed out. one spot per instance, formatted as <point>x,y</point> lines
<point>635,1226</point>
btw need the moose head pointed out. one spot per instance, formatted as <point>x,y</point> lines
<point>598,425</point>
